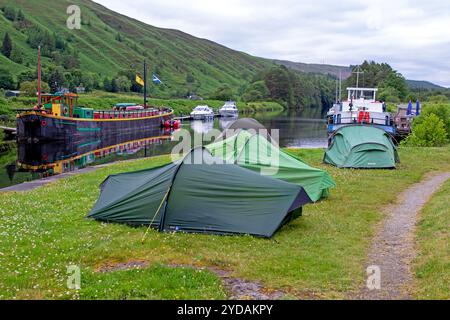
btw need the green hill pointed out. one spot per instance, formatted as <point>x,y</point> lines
<point>325,69</point>
<point>422,85</point>
<point>109,42</point>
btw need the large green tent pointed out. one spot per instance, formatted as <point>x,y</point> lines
<point>200,194</point>
<point>362,147</point>
<point>259,153</point>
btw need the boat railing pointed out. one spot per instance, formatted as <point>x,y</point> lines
<point>337,119</point>
<point>124,114</point>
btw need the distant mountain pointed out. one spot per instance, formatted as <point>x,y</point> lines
<point>425,85</point>
<point>347,72</point>
<point>317,68</point>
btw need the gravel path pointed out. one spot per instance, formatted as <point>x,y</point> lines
<point>31,185</point>
<point>393,247</point>
<point>240,289</point>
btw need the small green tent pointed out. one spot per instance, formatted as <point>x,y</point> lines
<point>362,147</point>
<point>200,194</point>
<point>258,153</point>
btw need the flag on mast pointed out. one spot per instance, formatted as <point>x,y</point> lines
<point>139,80</point>
<point>156,80</point>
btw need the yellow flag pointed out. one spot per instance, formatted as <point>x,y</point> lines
<point>139,80</point>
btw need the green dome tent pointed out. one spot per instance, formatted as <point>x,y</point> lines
<point>209,197</point>
<point>253,151</point>
<point>362,147</point>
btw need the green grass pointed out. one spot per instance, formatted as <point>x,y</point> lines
<point>321,254</point>
<point>156,282</point>
<point>432,265</point>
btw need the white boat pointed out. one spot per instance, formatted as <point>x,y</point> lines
<point>202,113</point>
<point>229,109</point>
<point>361,107</point>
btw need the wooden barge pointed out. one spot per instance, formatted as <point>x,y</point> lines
<point>59,118</point>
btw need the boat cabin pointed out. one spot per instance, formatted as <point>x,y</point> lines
<point>60,104</point>
<point>361,107</point>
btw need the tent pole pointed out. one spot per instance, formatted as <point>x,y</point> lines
<point>156,213</point>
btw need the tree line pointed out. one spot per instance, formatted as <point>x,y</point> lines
<point>291,88</point>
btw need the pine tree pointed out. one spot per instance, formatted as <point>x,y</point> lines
<point>7,46</point>
<point>20,15</point>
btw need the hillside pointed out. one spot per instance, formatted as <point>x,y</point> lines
<point>422,85</point>
<point>109,42</point>
<point>317,68</point>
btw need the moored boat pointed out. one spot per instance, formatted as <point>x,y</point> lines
<point>202,113</point>
<point>229,109</point>
<point>361,108</point>
<point>59,117</point>
<point>404,118</point>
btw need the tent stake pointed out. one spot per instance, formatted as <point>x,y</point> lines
<point>156,213</point>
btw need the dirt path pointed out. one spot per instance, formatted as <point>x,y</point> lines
<point>393,247</point>
<point>237,289</point>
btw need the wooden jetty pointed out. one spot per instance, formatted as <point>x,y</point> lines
<point>10,133</point>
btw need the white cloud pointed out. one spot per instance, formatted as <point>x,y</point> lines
<point>412,35</point>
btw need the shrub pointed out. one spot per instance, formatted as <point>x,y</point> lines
<point>29,88</point>
<point>428,132</point>
<point>438,99</point>
<point>223,93</point>
<point>6,80</point>
<point>440,110</point>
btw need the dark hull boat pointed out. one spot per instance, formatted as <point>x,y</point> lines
<point>58,117</point>
<point>41,125</point>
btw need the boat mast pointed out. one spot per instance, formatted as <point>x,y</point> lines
<point>358,72</point>
<point>145,83</point>
<point>340,85</point>
<point>39,78</point>
<point>336,93</point>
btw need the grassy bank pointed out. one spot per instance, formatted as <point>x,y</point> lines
<point>103,101</point>
<point>432,266</point>
<point>321,255</point>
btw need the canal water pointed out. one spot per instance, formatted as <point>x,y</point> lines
<point>22,163</point>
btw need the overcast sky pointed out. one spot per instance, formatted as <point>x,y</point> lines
<point>412,35</point>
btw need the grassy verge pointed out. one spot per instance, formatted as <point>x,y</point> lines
<point>432,266</point>
<point>103,101</point>
<point>320,255</point>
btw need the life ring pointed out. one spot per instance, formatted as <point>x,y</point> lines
<point>364,117</point>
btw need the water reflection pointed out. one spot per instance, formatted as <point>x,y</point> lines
<point>297,129</point>
<point>224,123</point>
<point>202,126</point>
<point>35,161</point>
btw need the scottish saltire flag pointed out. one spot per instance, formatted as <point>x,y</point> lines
<point>156,80</point>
